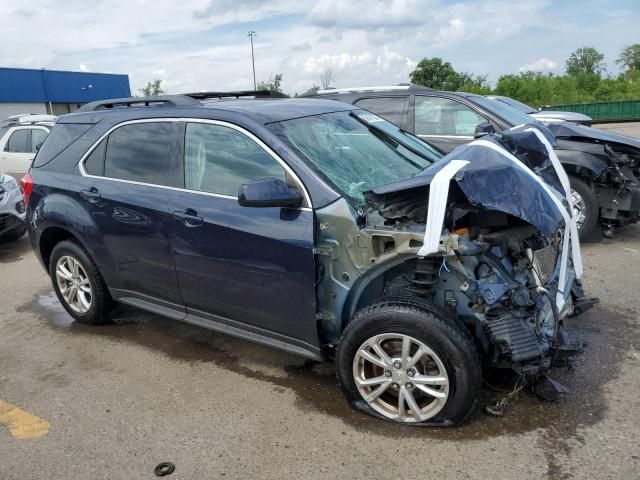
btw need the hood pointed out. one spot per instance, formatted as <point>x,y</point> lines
<point>495,178</point>
<point>561,116</point>
<point>576,132</point>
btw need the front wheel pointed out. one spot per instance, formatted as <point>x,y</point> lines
<point>407,361</point>
<point>585,206</point>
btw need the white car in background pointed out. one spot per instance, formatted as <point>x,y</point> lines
<point>548,116</point>
<point>13,210</point>
<point>20,138</point>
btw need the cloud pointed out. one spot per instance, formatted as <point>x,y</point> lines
<point>301,47</point>
<point>452,32</point>
<point>367,13</point>
<point>341,61</point>
<point>83,68</point>
<point>202,44</point>
<point>543,64</point>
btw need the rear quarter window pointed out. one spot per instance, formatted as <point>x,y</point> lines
<point>60,138</point>
<point>389,108</point>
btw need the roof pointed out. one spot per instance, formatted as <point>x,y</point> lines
<point>21,85</point>
<point>268,111</point>
<point>260,111</point>
<point>379,91</point>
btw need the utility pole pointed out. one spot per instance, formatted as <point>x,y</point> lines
<point>252,34</point>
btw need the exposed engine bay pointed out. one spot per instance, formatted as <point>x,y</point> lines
<point>478,235</point>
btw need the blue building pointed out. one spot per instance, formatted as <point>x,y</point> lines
<point>55,92</point>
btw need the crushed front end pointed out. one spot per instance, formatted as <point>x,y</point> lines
<point>479,235</point>
<point>610,163</point>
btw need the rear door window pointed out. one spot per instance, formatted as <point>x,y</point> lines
<point>142,152</point>
<point>38,136</point>
<point>219,159</point>
<point>390,108</point>
<point>18,141</point>
<point>438,116</point>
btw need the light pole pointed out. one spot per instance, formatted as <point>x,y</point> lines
<point>252,34</point>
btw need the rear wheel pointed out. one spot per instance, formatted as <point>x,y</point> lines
<point>585,206</point>
<point>406,361</point>
<point>78,283</point>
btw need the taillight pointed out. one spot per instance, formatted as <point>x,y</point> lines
<point>26,186</point>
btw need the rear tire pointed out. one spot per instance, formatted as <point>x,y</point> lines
<point>588,206</point>
<point>443,385</point>
<point>78,283</point>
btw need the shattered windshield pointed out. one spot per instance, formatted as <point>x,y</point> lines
<point>356,150</point>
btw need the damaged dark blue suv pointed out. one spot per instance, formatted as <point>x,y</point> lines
<point>265,219</point>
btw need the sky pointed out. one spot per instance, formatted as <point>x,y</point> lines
<point>199,45</point>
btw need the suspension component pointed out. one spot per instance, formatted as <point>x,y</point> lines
<point>424,276</point>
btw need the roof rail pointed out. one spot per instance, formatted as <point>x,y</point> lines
<point>237,94</point>
<point>156,101</point>
<point>329,91</point>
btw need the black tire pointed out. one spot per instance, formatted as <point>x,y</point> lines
<point>101,300</point>
<point>592,209</point>
<point>14,234</point>
<point>437,329</point>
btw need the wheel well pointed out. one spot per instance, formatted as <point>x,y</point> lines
<point>582,173</point>
<point>49,239</point>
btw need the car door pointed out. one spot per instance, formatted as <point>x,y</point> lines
<point>18,150</point>
<point>444,122</point>
<point>250,268</point>
<point>125,184</point>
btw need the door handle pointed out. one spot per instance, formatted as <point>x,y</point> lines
<point>189,217</point>
<point>92,194</point>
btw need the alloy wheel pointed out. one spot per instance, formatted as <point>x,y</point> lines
<point>74,285</point>
<point>579,208</point>
<point>400,377</point>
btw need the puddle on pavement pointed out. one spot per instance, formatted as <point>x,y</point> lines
<point>315,384</point>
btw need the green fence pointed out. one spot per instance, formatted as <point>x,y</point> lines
<point>618,111</point>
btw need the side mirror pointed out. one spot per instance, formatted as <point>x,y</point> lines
<point>269,192</point>
<point>483,129</point>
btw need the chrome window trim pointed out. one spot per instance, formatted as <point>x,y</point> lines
<point>243,131</point>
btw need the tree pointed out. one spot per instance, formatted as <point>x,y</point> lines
<point>273,84</point>
<point>440,75</point>
<point>314,89</point>
<point>585,61</point>
<point>630,57</point>
<point>437,74</point>
<point>152,89</point>
<point>326,78</point>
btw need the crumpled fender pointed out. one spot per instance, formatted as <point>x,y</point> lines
<point>582,163</point>
<point>568,130</point>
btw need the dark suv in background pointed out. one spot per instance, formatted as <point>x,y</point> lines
<point>265,219</point>
<point>604,168</point>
